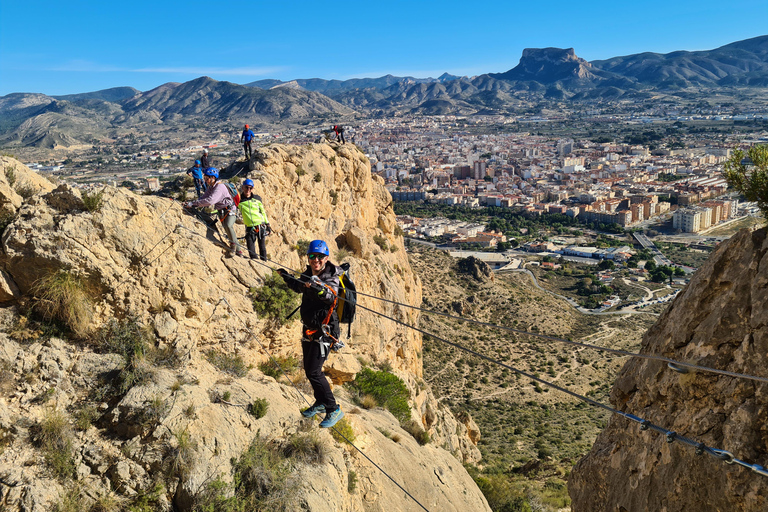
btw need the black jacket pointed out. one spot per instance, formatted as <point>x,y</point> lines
<point>314,305</point>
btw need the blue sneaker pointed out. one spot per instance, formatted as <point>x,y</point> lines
<point>311,411</point>
<point>332,418</point>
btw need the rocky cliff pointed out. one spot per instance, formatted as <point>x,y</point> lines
<point>720,320</point>
<point>142,259</point>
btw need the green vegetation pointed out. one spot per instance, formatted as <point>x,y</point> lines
<point>342,432</point>
<point>274,299</point>
<point>418,433</point>
<point>750,176</point>
<point>351,481</point>
<point>669,177</point>
<point>334,197</point>
<point>66,299</point>
<point>93,201</point>
<point>306,447</point>
<point>301,247</point>
<point>57,443</point>
<point>318,177</point>
<point>258,408</point>
<point>513,222</point>
<point>85,416</point>
<point>260,482</point>
<point>300,171</point>
<point>6,218</point>
<point>287,364</point>
<point>342,254</point>
<point>26,191</point>
<point>10,175</point>
<point>387,389</point>
<point>136,343</point>
<point>381,242</point>
<point>232,364</point>
<point>181,456</point>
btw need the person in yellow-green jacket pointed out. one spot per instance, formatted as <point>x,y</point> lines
<point>255,219</point>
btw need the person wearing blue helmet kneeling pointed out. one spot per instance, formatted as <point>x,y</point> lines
<point>319,287</point>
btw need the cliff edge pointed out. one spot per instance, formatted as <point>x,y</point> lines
<point>720,320</point>
<point>166,431</point>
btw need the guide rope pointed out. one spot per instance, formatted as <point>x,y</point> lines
<point>581,344</point>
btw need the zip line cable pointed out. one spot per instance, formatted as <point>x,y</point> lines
<point>304,398</point>
<point>581,344</point>
<point>671,436</point>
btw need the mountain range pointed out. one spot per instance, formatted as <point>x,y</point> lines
<point>542,74</point>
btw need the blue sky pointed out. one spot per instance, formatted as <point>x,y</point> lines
<point>76,46</point>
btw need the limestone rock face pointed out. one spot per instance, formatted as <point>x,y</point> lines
<point>720,320</point>
<point>145,257</point>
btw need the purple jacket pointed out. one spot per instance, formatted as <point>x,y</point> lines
<point>218,197</point>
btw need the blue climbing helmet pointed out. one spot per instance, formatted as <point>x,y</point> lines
<point>197,163</point>
<point>248,183</point>
<point>317,247</point>
<point>212,171</point>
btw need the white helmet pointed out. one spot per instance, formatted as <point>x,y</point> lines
<point>205,151</point>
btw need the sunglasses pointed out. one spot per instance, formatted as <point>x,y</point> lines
<point>247,187</point>
<point>316,256</point>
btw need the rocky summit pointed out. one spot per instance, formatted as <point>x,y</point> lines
<point>720,320</point>
<point>170,426</point>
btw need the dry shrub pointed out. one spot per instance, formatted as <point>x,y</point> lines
<point>65,298</point>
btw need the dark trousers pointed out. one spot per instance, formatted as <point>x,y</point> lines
<point>313,368</point>
<point>247,148</point>
<point>199,186</point>
<point>252,234</point>
<point>340,136</point>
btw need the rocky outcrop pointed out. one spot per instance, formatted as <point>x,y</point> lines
<point>720,320</point>
<point>145,258</point>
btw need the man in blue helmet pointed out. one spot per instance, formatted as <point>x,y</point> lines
<point>219,197</point>
<point>255,219</point>
<point>319,286</point>
<point>196,171</point>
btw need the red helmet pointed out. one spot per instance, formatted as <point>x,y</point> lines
<point>246,127</point>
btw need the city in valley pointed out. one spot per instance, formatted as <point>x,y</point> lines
<point>629,188</point>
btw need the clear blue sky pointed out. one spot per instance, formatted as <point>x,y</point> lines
<point>73,46</point>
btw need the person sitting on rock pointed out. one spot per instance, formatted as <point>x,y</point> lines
<point>204,159</point>
<point>219,197</point>
<point>196,171</point>
<point>246,138</point>
<point>339,131</point>
<point>319,286</point>
<point>255,219</point>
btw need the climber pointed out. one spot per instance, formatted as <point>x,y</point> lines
<point>218,196</point>
<point>246,138</point>
<point>204,159</point>
<point>255,219</point>
<point>339,130</point>
<point>196,171</point>
<point>319,286</point>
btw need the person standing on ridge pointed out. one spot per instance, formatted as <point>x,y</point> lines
<point>204,159</point>
<point>196,171</point>
<point>339,130</point>
<point>246,138</point>
<point>255,219</point>
<point>219,197</point>
<point>319,286</point>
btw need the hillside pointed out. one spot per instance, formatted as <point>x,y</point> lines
<point>531,435</point>
<point>717,321</point>
<point>135,372</point>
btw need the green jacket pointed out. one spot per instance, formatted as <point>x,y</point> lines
<point>253,211</point>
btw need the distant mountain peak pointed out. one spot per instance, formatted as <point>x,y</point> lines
<point>547,65</point>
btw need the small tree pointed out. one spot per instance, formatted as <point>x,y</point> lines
<point>750,177</point>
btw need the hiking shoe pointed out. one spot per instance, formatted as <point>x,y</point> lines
<point>315,409</point>
<point>332,418</point>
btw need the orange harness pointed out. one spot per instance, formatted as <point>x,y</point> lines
<point>324,327</point>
